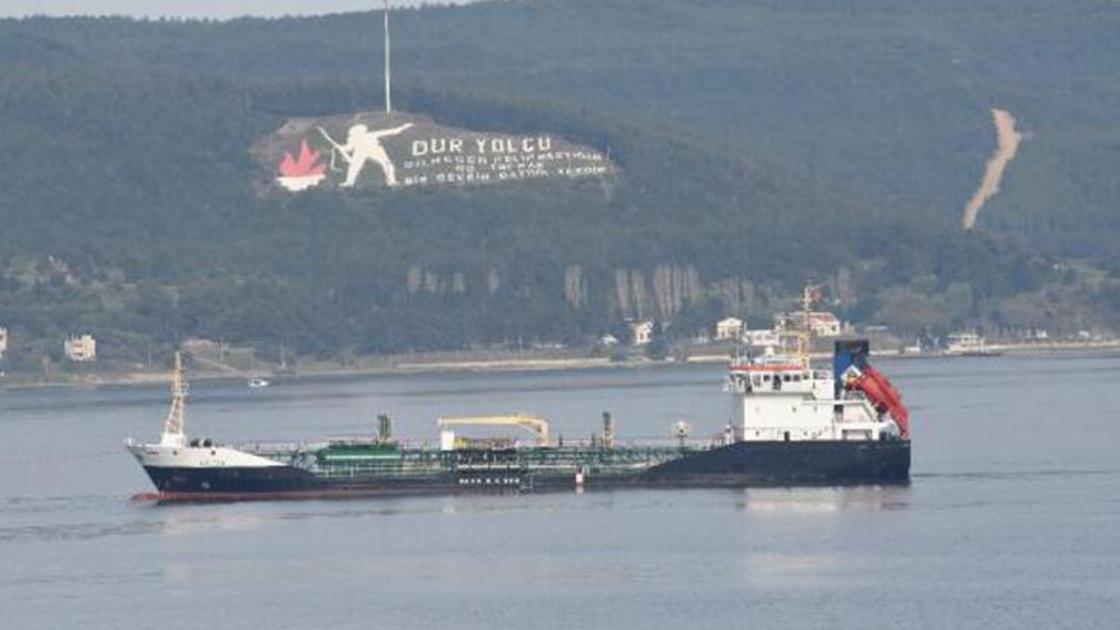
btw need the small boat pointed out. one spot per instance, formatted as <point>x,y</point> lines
<point>967,344</point>
<point>258,382</point>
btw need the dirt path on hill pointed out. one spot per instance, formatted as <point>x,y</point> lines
<point>1008,140</point>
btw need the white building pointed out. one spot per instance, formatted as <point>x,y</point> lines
<point>729,328</point>
<point>762,338</point>
<point>823,323</point>
<point>3,341</point>
<point>80,348</point>
<point>642,332</point>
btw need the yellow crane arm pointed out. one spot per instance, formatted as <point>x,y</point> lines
<point>537,426</point>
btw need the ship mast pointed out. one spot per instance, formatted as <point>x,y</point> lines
<point>174,426</point>
<point>805,335</point>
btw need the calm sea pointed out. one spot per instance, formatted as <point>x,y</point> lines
<point>1012,519</point>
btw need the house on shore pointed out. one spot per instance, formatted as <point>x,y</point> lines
<point>729,328</point>
<point>641,332</point>
<point>80,348</point>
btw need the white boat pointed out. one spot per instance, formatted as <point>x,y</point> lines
<point>258,382</point>
<point>968,344</point>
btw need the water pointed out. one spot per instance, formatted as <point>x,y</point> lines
<point>1010,521</point>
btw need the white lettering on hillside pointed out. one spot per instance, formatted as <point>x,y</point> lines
<point>369,151</point>
<point>482,146</point>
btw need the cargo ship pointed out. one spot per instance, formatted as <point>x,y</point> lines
<point>791,423</point>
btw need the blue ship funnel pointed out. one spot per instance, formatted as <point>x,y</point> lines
<point>848,352</point>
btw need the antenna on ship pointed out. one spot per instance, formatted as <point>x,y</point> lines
<point>608,430</point>
<point>175,424</point>
<point>384,428</point>
<point>388,69</point>
<point>805,336</point>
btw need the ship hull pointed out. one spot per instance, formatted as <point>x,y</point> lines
<point>780,463</point>
<point>736,465</point>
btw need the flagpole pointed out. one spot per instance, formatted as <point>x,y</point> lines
<point>388,75</point>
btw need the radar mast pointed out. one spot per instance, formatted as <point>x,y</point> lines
<point>174,426</point>
<point>809,296</point>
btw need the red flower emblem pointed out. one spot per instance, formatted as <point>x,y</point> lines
<point>306,165</point>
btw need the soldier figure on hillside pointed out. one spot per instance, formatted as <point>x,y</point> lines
<point>363,145</point>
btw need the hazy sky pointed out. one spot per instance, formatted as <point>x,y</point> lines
<point>195,8</point>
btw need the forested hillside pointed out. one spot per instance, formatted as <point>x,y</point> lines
<point>761,144</point>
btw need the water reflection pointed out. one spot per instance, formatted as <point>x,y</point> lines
<point>791,570</point>
<point>824,500</point>
<point>217,518</point>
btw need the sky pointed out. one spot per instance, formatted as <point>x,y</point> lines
<point>196,8</point>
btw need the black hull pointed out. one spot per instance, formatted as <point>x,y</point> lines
<point>737,465</point>
<point>778,463</point>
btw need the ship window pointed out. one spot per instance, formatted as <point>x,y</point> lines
<point>756,380</point>
<point>796,378</point>
<point>766,377</point>
<point>785,377</point>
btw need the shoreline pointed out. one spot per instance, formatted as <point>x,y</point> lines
<point>390,367</point>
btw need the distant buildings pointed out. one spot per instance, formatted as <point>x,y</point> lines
<point>729,328</point>
<point>3,341</point>
<point>762,338</point>
<point>823,323</point>
<point>80,349</point>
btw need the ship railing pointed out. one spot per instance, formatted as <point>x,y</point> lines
<point>631,442</point>
<point>260,447</point>
<point>263,448</point>
<point>381,475</point>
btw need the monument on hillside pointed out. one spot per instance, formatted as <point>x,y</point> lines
<point>392,149</point>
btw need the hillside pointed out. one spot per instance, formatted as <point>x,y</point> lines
<point>761,144</point>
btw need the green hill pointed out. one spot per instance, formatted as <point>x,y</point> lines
<point>762,144</point>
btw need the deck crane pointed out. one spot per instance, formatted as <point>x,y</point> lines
<point>537,426</point>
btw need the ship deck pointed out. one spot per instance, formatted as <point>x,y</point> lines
<point>352,459</point>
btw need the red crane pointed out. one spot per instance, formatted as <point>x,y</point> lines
<point>881,393</point>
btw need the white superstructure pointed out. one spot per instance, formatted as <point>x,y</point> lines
<point>780,397</point>
<point>777,398</point>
